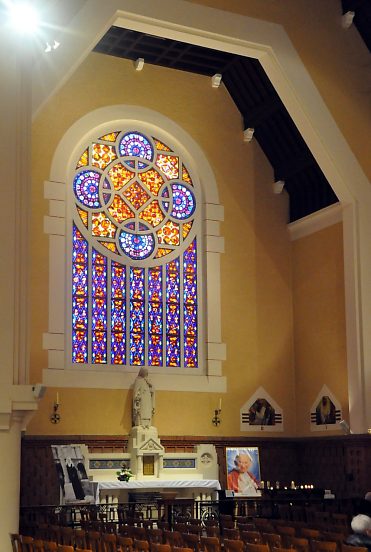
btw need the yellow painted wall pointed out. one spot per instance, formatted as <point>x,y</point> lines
<point>273,293</point>
<point>256,267</point>
<point>319,313</point>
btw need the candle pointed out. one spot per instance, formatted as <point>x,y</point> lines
<point>220,403</point>
<point>57,398</point>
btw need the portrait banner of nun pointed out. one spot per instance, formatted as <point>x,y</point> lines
<point>243,471</point>
<point>73,479</point>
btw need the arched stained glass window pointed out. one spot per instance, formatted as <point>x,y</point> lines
<point>135,250</point>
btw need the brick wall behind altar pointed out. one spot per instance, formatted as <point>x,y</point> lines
<point>341,464</point>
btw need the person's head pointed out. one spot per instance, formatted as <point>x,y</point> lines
<point>361,524</point>
<point>243,461</point>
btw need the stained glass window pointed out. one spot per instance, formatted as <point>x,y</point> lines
<point>135,250</point>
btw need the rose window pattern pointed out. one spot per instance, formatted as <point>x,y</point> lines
<point>134,255</point>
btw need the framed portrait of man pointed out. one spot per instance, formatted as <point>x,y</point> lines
<point>243,471</point>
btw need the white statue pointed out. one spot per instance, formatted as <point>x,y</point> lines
<point>143,400</point>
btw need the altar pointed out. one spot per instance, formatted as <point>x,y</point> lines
<point>196,489</point>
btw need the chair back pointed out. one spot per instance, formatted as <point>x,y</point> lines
<point>94,541</point>
<point>210,544</point>
<point>158,547</point>
<point>174,538</point>
<point>235,545</point>
<point>65,548</point>
<point>191,541</point>
<point>252,537</point>
<point>80,538</point>
<point>15,539</point>
<point>125,543</point>
<point>257,547</point>
<point>272,539</point>
<point>310,533</point>
<point>231,533</point>
<point>154,535</point>
<point>324,546</point>
<point>66,534</point>
<point>299,543</point>
<point>212,531</point>
<point>109,542</point>
<point>26,544</point>
<point>350,548</point>
<point>141,545</point>
<point>50,546</point>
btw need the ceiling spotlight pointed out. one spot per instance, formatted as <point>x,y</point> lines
<point>23,17</point>
<point>347,19</point>
<point>48,48</point>
<point>248,134</point>
<point>56,44</point>
<point>139,64</point>
<point>278,186</point>
<point>216,80</point>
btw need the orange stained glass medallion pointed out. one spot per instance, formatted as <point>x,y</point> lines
<point>169,164</point>
<point>120,176</point>
<point>153,180</point>
<point>185,176</point>
<point>111,137</point>
<point>84,159</point>
<point>84,216</point>
<point>152,214</point>
<point>110,246</point>
<point>136,195</point>
<point>102,226</point>
<point>169,234</point>
<point>186,229</point>
<point>162,251</point>
<point>119,210</point>
<point>102,155</point>
<point>160,145</point>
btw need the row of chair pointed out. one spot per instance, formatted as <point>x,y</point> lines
<point>285,537</point>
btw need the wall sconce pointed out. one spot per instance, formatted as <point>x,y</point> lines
<point>55,417</point>
<point>216,419</point>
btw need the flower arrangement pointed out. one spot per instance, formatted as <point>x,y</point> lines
<point>124,474</point>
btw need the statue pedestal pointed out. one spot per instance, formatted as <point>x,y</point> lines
<point>146,453</point>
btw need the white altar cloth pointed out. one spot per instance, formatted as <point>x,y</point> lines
<point>160,484</point>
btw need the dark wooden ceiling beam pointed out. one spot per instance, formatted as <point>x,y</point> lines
<point>262,112</point>
<point>294,165</point>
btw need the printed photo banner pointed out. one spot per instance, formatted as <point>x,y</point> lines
<point>243,470</point>
<point>73,479</point>
<point>325,414</point>
<point>261,413</point>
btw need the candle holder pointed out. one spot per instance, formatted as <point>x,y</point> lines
<point>216,419</point>
<point>55,418</point>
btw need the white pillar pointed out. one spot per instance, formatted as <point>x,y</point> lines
<point>17,402</point>
<point>10,459</point>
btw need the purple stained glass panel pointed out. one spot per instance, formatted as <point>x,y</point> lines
<point>173,313</point>
<point>137,316</point>
<point>79,297</point>
<point>155,324</point>
<point>118,314</point>
<point>99,308</point>
<point>190,305</point>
